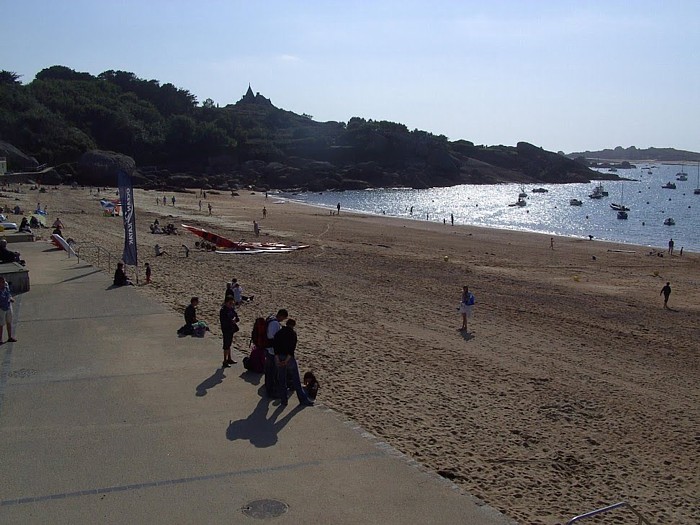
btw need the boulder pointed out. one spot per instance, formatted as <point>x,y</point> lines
<point>100,168</point>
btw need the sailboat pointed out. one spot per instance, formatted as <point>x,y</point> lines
<point>696,191</point>
<point>681,175</point>
<point>621,207</point>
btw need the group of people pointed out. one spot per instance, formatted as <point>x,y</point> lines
<point>169,229</point>
<point>280,341</point>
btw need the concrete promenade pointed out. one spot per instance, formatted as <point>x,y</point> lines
<point>106,416</point>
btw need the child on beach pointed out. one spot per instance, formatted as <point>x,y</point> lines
<point>310,386</point>
<point>466,306</point>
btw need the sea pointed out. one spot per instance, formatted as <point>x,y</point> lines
<point>549,213</point>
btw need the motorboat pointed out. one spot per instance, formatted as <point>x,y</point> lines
<point>682,176</point>
<point>598,192</point>
<point>540,190</point>
<point>669,222</point>
<point>519,202</point>
<point>575,202</point>
<point>522,194</point>
<point>669,186</point>
<point>621,214</point>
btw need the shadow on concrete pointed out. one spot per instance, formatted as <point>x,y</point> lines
<point>210,382</point>
<point>258,428</point>
<point>251,377</point>
<point>80,276</point>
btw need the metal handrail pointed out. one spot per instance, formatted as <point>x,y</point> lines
<point>642,519</point>
<point>99,249</point>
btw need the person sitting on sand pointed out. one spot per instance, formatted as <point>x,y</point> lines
<point>24,226</point>
<point>159,251</point>
<point>466,306</point>
<point>120,278</point>
<point>237,292</point>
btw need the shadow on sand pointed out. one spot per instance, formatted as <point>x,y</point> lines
<point>210,382</point>
<point>260,428</point>
<point>467,336</point>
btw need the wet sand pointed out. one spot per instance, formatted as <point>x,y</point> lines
<point>572,389</point>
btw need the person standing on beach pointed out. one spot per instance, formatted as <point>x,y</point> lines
<point>670,247</point>
<point>165,202</point>
<point>551,243</point>
<point>148,273</point>
<point>285,343</point>
<point>466,306</point>
<point>338,206</point>
<point>200,204</point>
<point>256,228</point>
<point>666,291</point>
<point>209,205</point>
<point>228,319</point>
<point>264,212</point>
<point>452,218</point>
<point>6,301</point>
<point>274,325</point>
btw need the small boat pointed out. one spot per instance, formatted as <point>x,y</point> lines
<point>575,202</point>
<point>669,222</point>
<point>619,207</point>
<point>519,202</point>
<point>650,172</point>
<point>522,194</point>
<point>540,190</point>
<point>598,192</point>
<point>669,186</point>
<point>682,175</point>
<point>621,214</point>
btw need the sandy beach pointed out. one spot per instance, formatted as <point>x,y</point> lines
<point>573,389</point>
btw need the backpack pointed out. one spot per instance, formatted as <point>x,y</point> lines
<point>256,361</point>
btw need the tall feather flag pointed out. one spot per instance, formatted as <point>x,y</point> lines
<point>126,195</point>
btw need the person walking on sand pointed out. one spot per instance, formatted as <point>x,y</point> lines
<point>200,204</point>
<point>228,319</point>
<point>466,306</point>
<point>264,212</point>
<point>165,201</point>
<point>666,291</point>
<point>148,273</point>
<point>209,206</point>
<point>551,243</point>
<point>670,247</point>
<point>6,301</point>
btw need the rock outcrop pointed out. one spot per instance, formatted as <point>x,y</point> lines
<point>100,168</point>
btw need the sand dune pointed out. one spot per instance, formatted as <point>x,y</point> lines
<point>574,388</point>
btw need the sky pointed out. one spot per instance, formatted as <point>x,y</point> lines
<point>563,75</point>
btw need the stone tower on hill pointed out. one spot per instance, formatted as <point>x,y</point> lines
<point>250,98</point>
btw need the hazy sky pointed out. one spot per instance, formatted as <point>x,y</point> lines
<point>564,75</point>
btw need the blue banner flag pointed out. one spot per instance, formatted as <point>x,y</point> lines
<point>126,195</point>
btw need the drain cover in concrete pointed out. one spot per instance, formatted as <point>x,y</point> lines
<point>265,508</point>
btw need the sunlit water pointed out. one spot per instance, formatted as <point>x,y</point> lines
<point>550,212</point>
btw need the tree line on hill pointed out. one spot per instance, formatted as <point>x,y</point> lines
<point>176,141</point>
